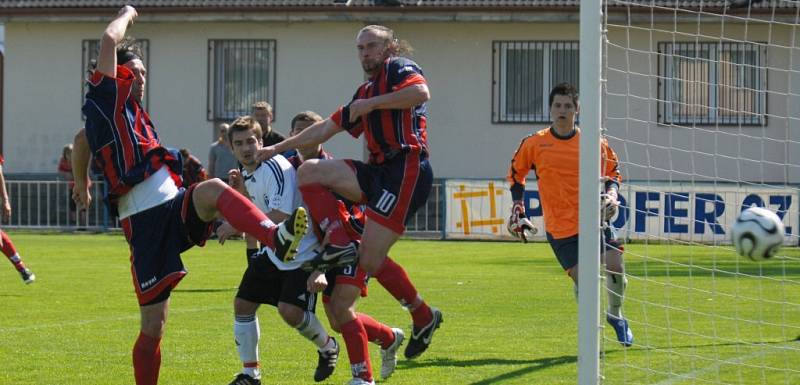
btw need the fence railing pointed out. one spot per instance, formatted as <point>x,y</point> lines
<point>46,204</point>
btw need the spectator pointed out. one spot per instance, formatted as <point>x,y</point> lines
<point>262,112</point>
<point>65,173</point>
<point>220,157</point>
<point>193,171</point>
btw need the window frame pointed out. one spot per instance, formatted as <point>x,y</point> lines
<point>500,78</point>
<point>715,49</point>
<point>215,99</point>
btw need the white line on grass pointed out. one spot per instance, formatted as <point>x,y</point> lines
<point>133,316</point>
<point>711,368</point>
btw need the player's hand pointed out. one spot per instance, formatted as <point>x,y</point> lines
<point>266,153</point>
<point>609,204</point>
<point>236,181</point>
<point>316,282</point>
<point>81,195</point>
<point>225,231</point>
<point>359,108</point>
<point>519,226</point>
<point>6,210</point>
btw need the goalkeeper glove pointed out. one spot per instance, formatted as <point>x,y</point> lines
<point>609,204</point>
<point>519,226</point>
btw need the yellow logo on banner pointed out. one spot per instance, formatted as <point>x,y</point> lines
<point>466,224</point>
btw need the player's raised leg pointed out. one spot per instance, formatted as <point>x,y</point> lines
<point>214,197</point>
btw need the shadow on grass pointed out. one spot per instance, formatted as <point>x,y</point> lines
<point>203,290</point>
<point>530,365</point>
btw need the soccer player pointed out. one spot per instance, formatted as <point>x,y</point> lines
<point>389,109</point>
<point>553,154</point>
<point>272,186</point>
<point>6,246</point>
<point>159,219</point>
<point>347,284</point>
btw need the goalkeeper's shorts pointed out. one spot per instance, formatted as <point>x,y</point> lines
<point>566,249</point>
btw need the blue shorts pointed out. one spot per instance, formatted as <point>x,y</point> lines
<point>352,275</point>
<point>157,237</point>
<point>566,249</point>
<point>395,189</point>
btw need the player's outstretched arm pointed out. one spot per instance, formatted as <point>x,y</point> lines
<point>317,133</point>
<point>113,35</point>
<point>406,97</point>
<point>80,169</point>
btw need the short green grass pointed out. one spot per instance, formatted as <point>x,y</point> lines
<point>510,317</point>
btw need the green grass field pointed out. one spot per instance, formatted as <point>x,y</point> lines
<point>510,317</point>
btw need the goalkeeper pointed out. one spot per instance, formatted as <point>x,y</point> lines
<point>553,155</point>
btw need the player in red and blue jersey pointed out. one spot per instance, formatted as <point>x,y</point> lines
<point>389,110</point>
<point>159,219</point>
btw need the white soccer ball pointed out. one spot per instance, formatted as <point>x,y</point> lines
<point>757,233</point>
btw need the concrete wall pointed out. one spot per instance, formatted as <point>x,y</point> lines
<point>317,69</point>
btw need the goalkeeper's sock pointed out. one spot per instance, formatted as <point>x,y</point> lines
<point>355,338</point>
<point>146,359</point>
<point>395,280</point>
<point>312,330</point>
<point>615,283</point>
<point>247,333</point>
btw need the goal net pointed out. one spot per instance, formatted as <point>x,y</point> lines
<point>701,102</point>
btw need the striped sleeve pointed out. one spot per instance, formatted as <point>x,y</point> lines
<point>280,185</point>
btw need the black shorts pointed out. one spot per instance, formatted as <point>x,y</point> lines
<point>566,249</point>
<point>264,283</point>
<point>157,237</point>
<point>345,275</point>
<point>394,189</point>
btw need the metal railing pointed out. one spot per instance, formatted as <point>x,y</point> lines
<point>45,204</point>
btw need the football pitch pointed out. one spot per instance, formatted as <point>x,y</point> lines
<point>509,317</point>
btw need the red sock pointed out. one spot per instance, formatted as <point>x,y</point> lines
<point>395,280</point>
<point>376,331</point>
<point>323,208</point>
<point>146,359</point>
<point>355,337</point>
<point>245,216</point>
<point>10,251</point>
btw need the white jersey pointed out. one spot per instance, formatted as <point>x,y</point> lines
<point>273,186</point>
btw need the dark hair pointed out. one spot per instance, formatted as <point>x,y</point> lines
<point>128,50</point>
<point>563,89</point>
<point>244,123</point>
<point>305,116</point>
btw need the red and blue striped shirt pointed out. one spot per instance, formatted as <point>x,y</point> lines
<point>389,132</point>
<point>121,135</point>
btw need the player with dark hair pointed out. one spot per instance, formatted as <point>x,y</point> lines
<point>269,280</point>
<point>159,219</point>
<point>389,109</point>
<point>553,154</point>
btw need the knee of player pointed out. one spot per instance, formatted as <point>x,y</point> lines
<point>370,265</point>
<point>308,172</point>
<point>291,314</point>
<point>244,307</point>
<point>343,311</point>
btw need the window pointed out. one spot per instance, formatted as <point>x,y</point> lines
<point>240,72</point>
<point>712,83</point>
<point>523,72</point>
<point>91,48</point>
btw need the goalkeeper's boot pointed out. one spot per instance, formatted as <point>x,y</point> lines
<point>289,234</point>
<point>327,362</point>
<point>624,333</point>
<point>333,256</point>
<point>243,379</point>
<point>27,275</point>
<point>421,338</point>
<point>389,355</point>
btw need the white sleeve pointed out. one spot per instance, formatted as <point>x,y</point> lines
<point>281,186</point>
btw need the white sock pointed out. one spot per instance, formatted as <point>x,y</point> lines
<point>313,331</point>
<point>616,284</point>
<point>247,333</point>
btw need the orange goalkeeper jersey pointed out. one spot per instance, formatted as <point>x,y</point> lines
<point>554,160</point>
